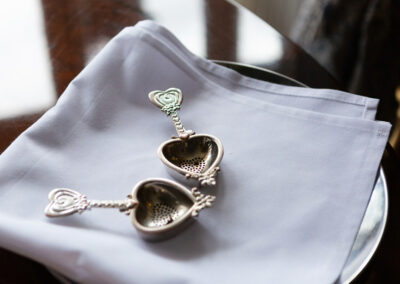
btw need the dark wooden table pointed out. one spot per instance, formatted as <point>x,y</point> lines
<point>58,38</point>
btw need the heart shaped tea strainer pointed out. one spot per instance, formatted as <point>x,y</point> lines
<point>158,208</point>
<point>195,156</point>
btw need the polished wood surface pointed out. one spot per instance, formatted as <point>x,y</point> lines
<point>75,30</point>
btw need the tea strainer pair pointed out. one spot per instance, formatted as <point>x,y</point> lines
<point>159,208</point>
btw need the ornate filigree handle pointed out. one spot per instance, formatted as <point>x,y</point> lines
<point>207,178</point>
<point>202,201</point>
<point>65,201</point>
<point>169,101</point>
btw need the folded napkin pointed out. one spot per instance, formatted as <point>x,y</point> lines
<point>327,101</point>
<point>297,174</point>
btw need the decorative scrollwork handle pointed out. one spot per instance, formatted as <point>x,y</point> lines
<point>202,201</point>
<point>169,101</point>
<point>207,178</point>
<point>65,201</point>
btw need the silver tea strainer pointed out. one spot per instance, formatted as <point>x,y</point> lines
<point>192,155</point>
<point>158,208</point>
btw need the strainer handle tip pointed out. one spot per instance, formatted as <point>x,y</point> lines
<point>169,101</point>
<point>65,201</point>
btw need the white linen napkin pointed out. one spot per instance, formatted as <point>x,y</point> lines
<point>327,101</point>
<point>294,185</point>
